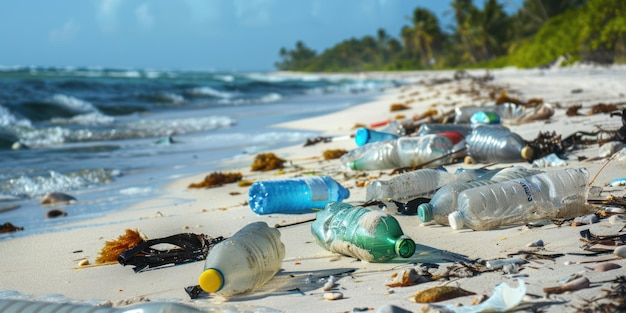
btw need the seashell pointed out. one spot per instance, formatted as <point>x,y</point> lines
<point>617,219</point>
<point>606,267</point>
<point>328,285</point>
<point>536,243</point>
<point>441,293</point>
<point>620,252</point>
<point>616,210</point>
<point>407,277</point>
<point>586,220</point>
<point>83,262</point>
<point>333,295</point>
<point>57,198</point>
<point>576,284</point>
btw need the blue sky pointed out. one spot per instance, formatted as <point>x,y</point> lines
<point>239,35</point>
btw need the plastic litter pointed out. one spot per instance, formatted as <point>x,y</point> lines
<point>27,306</point>
<point>364,136</point>
<point>503,299</point>
<point>295,195</point>
<point>369,235</point>
<point>487,144</point>
<point>243,262</point>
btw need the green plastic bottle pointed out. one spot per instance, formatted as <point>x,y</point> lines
<point>368,235</point>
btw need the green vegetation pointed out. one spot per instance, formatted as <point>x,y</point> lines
<point>539,33</point>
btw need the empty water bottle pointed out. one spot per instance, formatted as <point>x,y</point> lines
<point>243,262</point>
<point>422,182</point>
<point>436,128</point>
<point>368,235</point>
<point>295,195</point>
<point>484,118</point>
<point>364,135</point>
<point>486,144</point>
<point>557,194</point>
<point>33,306</point>
<point>444,201</point>
<point>429,150</point>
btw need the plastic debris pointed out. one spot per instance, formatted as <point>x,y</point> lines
<point>503,299</point>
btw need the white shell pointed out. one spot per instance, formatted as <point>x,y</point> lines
<point>333,295</point>
<point>617,219</point>
<point>536,243</point>
<point>620,252</point>
<point>328,285</point>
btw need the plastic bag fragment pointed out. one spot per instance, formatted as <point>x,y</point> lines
<point>503,299</point>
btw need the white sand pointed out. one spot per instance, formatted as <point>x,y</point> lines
<point>46,264</point>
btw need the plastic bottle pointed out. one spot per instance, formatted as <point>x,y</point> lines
<point>436,128</point>
<point>295,195</point>
<point>486,144</point>
<point>444,201</point>
<point>364,136</point>
<point>32,306</point>
<point>402,127</point>
<point>401,152</point>
<point>243,262</point>
<point>368,235</point>
<point>422,182</point>
<point>484,118</point>
<point>506,111</point>
<point>549,195</point>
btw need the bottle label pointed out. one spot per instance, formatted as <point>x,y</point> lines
<point>529,187</point>
<point>319,190</point>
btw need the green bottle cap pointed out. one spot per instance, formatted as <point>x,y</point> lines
<point>405,247</point>
<point>425,212</point>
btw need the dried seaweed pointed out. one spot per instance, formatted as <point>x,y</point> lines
<point>316,140</point>
<point>112,249</point>
<point>217,179</point>
<point>9,228</point>
<point>267,162</point>
<point>189,248</point>
<point>440,293</point>
<point>332,154</point>
<point>398,107</point>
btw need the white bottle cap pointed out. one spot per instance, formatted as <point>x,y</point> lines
<point>456,220</point>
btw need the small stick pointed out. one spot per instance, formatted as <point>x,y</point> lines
<point>279,225</point>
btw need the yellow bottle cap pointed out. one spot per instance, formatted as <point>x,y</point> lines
<point>211,280</point>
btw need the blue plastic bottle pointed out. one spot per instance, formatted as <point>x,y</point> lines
<point>365,135</point>
<point>295,195</point>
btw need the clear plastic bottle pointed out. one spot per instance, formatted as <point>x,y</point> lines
<point>401,152</point>
<point>486,144</point>
<point>549,195</point>
<point>243,262</point>
<point>368,235</point>
<point>295,195</point>
<point>422,182</point>
<point>32,306</point>
<point>364,136</point>
<point>444,201</point>
<point>436,128</point>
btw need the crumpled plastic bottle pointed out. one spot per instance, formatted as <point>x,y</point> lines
<point>487,144</point>
<point>368,235</point>
<point>550,195</point>
<point>32,306</point>
<point>429,150</point>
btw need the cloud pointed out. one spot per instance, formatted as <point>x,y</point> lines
<point>65,33</point>
<point>144,17</point>
<point>203,11</point>
<point>107,15</point>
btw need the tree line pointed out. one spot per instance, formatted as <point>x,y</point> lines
<point>538,33</point>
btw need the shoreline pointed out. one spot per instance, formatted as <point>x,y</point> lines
<point>46,264</point>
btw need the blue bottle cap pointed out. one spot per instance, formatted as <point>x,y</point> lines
<point>425,212</point>
<point>362,136</point>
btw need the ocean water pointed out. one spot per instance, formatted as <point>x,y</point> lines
<point>113,137</point>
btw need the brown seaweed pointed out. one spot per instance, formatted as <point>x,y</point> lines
<point>9,228</point>
<point>440,293</point>
<point>398,107</point>
<point>217,179</point>
<point>267,162</point>
<point>112,249</point>
<point>332,154</point>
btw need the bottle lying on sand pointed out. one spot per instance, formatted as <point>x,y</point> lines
<point>243,262</point>
<point>418,183</point>
<point>31,306</point>
<point>368,235</point>
<point>487,144</point>
<point>444,201</point>
<point>559,194</point>
<point>429,150</point>
<point>295,195</point>
<point>364,136</point>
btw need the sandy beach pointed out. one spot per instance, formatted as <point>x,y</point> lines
<point>46,266</point>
